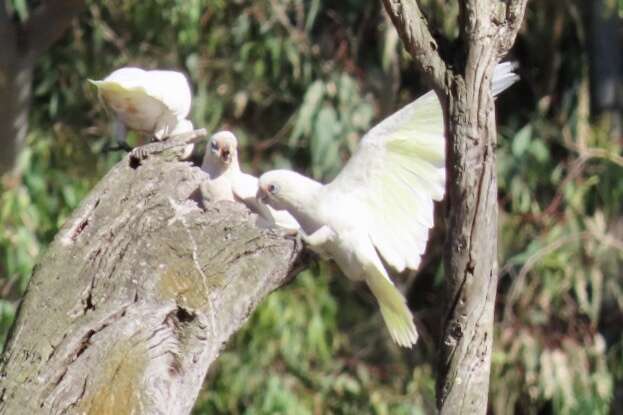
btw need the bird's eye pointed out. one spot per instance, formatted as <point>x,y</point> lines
<point>214,145</point>
<point>273,189</point>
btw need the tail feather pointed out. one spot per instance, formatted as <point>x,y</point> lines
<point>504,77</point>
<point>394,309</point>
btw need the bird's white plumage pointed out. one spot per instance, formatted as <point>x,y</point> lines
<point>245,187</point>
<point>227,182</point>
<point>151,102</point>
<point>382,202</point>
<point>394,177</point>
<point>503,76</point>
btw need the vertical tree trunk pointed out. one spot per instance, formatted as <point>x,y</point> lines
<point>15,86</point>
<point>21,44</point>
<point>471,246</point>
<point>487,31</point>
<point>137,296</point>
<point>15,95</point>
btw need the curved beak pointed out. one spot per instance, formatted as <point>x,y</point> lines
<point>262,195</point>
<point>225,155</point>
<point>221,152</point>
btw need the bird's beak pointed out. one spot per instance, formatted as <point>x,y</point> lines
<point>262,195</point>
<point>225,155</point>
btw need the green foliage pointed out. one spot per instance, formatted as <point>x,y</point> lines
<point>300,82</point>
<point>333,115</point>
<point>293,358</point>
<point>559,179</point>
<point>20,7</point>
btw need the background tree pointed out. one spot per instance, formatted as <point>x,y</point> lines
<point>299,82</point>
<point>486,34</point>
<point>25,35</point>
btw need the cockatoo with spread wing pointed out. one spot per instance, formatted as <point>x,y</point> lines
<point>155,103</point>
<point>380,207</point>
<point>227,182</point>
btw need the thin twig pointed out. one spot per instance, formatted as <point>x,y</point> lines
<point>282,17</point>
<point>603,238</point>
<point>519,281</point>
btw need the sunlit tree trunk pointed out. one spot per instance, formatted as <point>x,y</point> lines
<point>488,30</point>
<point>137,296</point>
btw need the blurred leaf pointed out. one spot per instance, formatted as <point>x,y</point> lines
<point>521,142</point>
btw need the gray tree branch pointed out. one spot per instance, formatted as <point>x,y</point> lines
<point>413,30</point>
<point>471,248</point>
<point>474,14</point>
<point>515,10</point>
<point>137,296</point>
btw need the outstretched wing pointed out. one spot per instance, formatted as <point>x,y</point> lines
<point>397,173</point>
<point>394,177</point>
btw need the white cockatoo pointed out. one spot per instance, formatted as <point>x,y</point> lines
<point>227,182</point>
<point>155,103</point>
<point>380,206</point>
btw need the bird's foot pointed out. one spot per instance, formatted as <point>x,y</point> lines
<point>139,153</point>
<point>143,152</point>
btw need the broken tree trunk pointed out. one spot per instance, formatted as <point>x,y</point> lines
<point>136,297</point>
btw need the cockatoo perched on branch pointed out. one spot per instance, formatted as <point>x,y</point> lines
<point>227,182</point>
<point>155,103</point>
<point>380,206</point>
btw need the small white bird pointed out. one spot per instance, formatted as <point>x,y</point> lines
<point>380,206</point>
<point>155,103</point>
<point>228,182</point>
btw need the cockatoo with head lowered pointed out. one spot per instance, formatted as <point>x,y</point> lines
<point>227,182</point>
<point>380,206</point>
<point>155,103</point>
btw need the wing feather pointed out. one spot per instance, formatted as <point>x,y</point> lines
<point>172,89</point>
<point>398,172</point>
<point>169,88</point>
<point>400,164</point>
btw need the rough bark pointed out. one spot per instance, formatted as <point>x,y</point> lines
<point>417,39</point>
<point>471,249</point>
<point>488,30</point>
<point>136,297</point>
<point>21,45</point>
